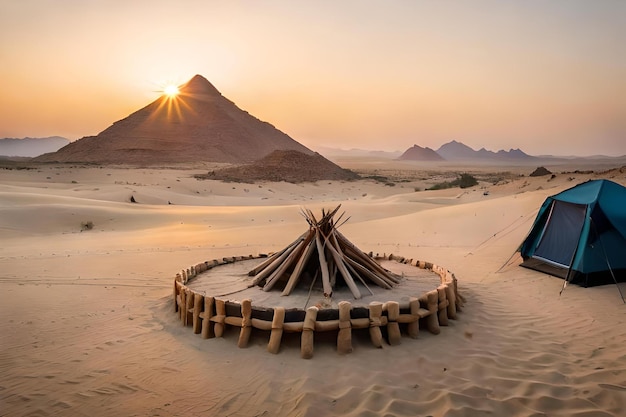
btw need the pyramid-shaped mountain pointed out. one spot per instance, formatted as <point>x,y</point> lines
<point>417,153</point>
<point>198,124</point>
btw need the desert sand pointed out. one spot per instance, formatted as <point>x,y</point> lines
<point>88,324</point>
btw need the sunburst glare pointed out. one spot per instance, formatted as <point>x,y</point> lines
<point>173,100</point>
<point>171,90</point>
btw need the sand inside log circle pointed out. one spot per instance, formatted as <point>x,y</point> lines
<point>231,281</point>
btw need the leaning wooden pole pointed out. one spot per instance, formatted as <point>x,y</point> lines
<point>344,271</point>
<point>328,290</point>
<point>275,264</point>
<point>297,272</point>
<point>290,260</point>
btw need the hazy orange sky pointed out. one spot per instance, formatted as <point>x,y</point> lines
<point>548,77</point>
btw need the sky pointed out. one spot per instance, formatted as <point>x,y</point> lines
<point>547,76</point>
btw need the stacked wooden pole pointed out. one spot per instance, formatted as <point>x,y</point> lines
<point>337,260</point>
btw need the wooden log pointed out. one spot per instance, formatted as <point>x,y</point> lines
<point>308,330</point>
<point>232,320</point>
<point>413,327</point>
<point>332,266</point>
<point>432,321</point>
<point>442,306</point>
<point>246,323</point>
<point>344,271</point>
<point>451,301</point>
<point>261,324</point>
<point>273,257</point>
<point>177,286</point>
<point>293,327</point>
<point>258,278</point>
<point>297,271</point>
<point>369,274</point>
<point>175,294</point>
<point>346,266</point>
<point>220,316</point>
<point>198,303</point>
<point>326,325</point>
<point>376,311</point>
<point>344,338</point>
<point>328,290</point>
<point>367,261</point>
<point>266,262</point>
<point>295,254</point>
<point>207,315</point>
<point>182,311</point>
<point>188,306</point>
<point>393,328</point>
<point>277,330</point>
<point>353,272</point>
<point>370,264</point>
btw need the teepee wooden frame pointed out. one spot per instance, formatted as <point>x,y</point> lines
<point>337,258</point>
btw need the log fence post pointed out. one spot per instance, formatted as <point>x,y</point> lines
<point>451,301</point>
<point>393,327</point>
<point>246,323</point>
<point>308,329</point>
<point>344,338</point>
<point>182,310</point>
<point>220,316</point>
<point>442,306</point>
<point>188,310</point>
<point>198,303</point>
<point>207,322</point>
<point>277,330</point>
<point>432,303</point>
<point>376,311</point>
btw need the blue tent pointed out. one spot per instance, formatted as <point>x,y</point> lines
<point>580,234</point>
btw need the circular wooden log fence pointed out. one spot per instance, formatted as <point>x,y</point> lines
<point>209,316</point>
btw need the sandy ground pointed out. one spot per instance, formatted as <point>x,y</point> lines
<point>88,326</point>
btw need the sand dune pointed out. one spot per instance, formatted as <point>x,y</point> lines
<point>88,326</point>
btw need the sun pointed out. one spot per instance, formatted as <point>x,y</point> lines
<point>170,90</point>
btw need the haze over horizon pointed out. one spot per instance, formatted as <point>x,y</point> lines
<point>546,77</point>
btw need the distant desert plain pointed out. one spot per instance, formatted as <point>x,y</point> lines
<point>89,329</point>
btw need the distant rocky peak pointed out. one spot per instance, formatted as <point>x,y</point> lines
<point>417,153</point>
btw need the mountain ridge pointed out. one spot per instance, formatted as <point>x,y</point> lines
<point>457,151</point>
<point>31,147</point>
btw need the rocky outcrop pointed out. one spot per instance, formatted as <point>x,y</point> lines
<point>288,166</point>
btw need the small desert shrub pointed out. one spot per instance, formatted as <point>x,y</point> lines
<point>378,178</point>
<point>463,181</point>
<point>86,226</point>
<point>466,181</point>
